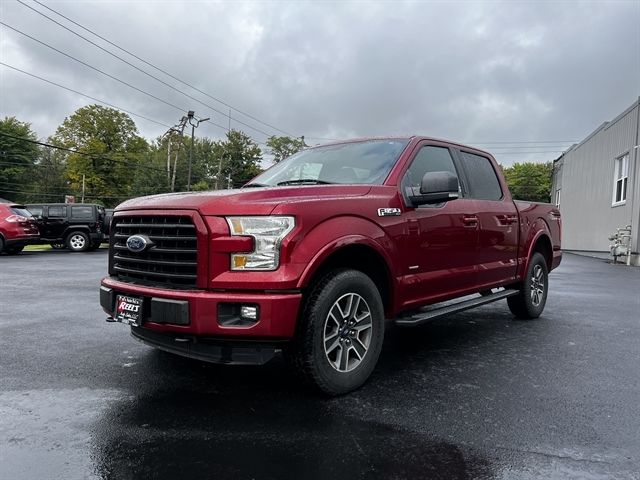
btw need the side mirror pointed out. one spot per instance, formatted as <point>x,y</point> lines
<point>436,187</point>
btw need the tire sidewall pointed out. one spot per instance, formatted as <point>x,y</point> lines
<point>533,310</point>
<point>344,282</point>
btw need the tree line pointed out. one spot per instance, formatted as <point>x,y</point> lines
<point>98,151</point>
<point>97,154</point>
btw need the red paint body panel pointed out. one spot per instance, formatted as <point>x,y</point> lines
<point>15,230</point>
<point>431,254</point>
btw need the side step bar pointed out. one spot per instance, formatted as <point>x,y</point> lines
<point>422,316</point>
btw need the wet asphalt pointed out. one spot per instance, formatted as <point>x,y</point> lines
<point>475,395</point>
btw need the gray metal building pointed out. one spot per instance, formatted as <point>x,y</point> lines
<point>596,184</point>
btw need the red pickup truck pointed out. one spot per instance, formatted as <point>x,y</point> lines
<point>314,255</point>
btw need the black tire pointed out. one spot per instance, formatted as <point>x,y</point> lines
<point>14,250</point>
<point>532,297</point>
<point>58,246</point>
<point>1,244</point>
<point>319,330</point>
<point>78,242</point>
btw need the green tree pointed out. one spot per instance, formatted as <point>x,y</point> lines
<point>529,181</point>
<point>236,159</point>
<point>283,147</point>
<point>116,152</point>
<point>17,158</point>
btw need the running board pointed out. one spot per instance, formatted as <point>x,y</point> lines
<point>421,317</point>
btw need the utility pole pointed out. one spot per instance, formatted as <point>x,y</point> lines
<point>191,116</point>
<point>176,130</point>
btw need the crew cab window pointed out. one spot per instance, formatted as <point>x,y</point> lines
<point>57,212</point>
<point>81,212</point>
<point>429,159</point>
<point>483,182</point>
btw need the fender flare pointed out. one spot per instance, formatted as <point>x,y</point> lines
<point>328,237</point>
<point>543,231</point>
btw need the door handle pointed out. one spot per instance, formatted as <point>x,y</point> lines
<point>470,221</point>
<point>506,219</point>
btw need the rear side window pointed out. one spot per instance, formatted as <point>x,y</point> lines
<point>429,159</point>
<point>483,182</point>
<point>57,212</point>
<point>81,213</point>
<point>23,212</point>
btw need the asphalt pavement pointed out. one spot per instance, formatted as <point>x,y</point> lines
<point>475,395</point>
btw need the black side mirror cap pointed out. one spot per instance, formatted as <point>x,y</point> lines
<point>437,187</point>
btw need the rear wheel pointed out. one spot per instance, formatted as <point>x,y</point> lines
<point>532,297</point>
<point>78,242</point>
<point>1,244</point>
<point>340,333</point>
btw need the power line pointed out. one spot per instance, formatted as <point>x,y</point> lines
<point>153,66</point>
<point>101,156</point>
<point>109,75</point>
<point>83,94</point>
<point>92,67</point>
<point>139,69</point>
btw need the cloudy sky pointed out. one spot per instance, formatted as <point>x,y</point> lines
<point>521,79</point>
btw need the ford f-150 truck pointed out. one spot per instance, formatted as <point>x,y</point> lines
<point>314,255</point>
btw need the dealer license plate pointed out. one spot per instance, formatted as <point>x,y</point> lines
<point>128,310</point>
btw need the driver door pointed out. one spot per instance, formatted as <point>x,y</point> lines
<point>442,239</point>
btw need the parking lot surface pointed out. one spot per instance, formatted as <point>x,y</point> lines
<point>475,395</point>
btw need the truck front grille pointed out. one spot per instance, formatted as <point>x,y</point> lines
<point>170,261</point>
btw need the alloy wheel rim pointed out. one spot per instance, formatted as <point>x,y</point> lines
<point>347,332</point>
<point>537,285</point>
<point>77,241</point>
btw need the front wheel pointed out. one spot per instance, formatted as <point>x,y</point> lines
<point>532,297</point>
<point>340,334</point>
<point>78,242</point>
<point>14,250</point>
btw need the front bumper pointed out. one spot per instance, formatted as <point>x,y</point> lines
<point>195,312</point>
<point>208,350</point>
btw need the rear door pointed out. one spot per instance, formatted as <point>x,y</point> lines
<point>55,222</point>
<point>442,239</point>
<point>497,217</point>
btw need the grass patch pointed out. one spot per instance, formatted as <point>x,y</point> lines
<point>36,248</point>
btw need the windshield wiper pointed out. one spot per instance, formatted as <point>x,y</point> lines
<point>302,181</point>
<point>255,185</point>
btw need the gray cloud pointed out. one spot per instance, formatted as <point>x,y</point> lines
<point>468,71</point>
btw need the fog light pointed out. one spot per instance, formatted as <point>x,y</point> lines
<point>248,312</point>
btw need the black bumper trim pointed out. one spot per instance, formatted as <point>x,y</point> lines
<point>208,350</point>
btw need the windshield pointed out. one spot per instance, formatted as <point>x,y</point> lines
<point>367,162</point>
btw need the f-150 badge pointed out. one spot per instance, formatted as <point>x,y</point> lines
<point>389,212</point>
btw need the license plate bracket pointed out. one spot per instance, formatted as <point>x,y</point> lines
<point>128,310</point>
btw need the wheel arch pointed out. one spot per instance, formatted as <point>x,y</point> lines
<point>358,254</point>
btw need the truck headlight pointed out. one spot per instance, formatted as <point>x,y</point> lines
<point>267,232</point>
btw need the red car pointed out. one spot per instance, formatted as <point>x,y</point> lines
<point>314,255</point>
<point>17,228</point>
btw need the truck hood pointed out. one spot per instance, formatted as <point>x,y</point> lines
<point>246,201</point>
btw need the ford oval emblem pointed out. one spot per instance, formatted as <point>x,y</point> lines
<point>137,243</point>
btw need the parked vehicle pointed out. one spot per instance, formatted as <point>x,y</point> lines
<point>17,228</point>
<point>313,255</point>
<point>76,226</point>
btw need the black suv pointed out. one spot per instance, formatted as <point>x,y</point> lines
<point>76,226</point>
